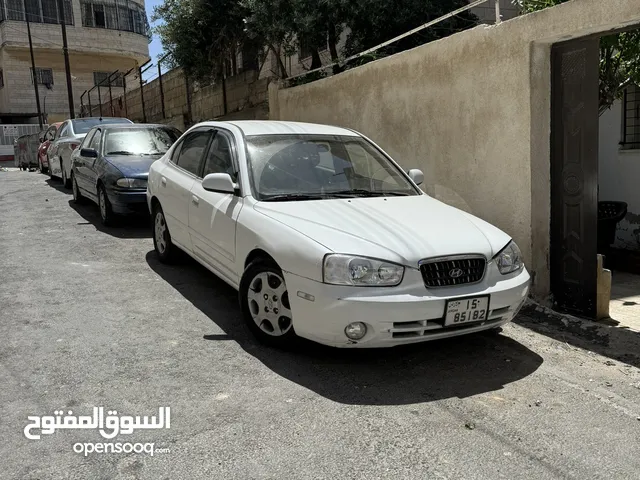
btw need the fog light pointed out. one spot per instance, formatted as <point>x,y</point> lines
<point>355,330</point>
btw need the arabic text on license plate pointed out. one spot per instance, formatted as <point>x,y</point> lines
<point>466,310</point>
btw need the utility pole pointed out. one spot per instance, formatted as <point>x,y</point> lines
<point>65,50</point>
<point>33,65</point>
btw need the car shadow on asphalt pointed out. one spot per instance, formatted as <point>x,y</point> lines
<point>57,184</point>
<point>130,226</point>
<point>458,367</point>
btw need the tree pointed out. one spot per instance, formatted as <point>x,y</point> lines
<point>201,35</point>
<point>619,58</point>
<point>373,22</point>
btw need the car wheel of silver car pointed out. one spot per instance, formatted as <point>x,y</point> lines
<point>106,214</point>
<point>161,236</point>
<point>65,181</point>
<point>77,196</point>
<point>264,300</point>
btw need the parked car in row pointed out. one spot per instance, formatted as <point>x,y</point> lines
<point>327,238</point>
<point>45,142</point>
<point>68,137</point>
<point>111,166</point>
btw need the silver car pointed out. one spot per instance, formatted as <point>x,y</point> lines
<point>68,137</point>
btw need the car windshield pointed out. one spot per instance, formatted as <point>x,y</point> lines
<point>83,125</point>
<point>139,141</point>
<point>310,167</point>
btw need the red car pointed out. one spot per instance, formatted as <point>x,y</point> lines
<point>46,140</point>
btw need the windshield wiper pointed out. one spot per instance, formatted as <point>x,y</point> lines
<point>285,197</point>
<point>120,152</point>
<point>365,193</point>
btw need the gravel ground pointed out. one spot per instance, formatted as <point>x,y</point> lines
<point>88,317</point>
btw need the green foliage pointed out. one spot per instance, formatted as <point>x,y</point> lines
<point>200,34</point>
<point>619,57</point>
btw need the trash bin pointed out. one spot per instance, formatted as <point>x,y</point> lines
<point>609,215</point>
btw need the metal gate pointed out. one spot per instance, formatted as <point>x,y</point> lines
<point>10,133</point>
<point>574,175</point>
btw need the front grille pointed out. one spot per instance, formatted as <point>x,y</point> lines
<point>452,271</point>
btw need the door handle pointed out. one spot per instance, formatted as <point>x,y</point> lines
<point>195,199</point>
<point>163,181</point>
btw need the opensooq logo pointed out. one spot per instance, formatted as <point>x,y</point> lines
<point>109,426</point>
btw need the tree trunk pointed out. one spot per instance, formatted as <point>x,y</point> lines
<point>281,66</point>
<point>316,62</point>
<point>332,40</point>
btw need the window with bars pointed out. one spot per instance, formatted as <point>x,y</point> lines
<point>44,76</point>
<point>121,15</point>
<point>101,79</point>
<point>37,11</point>
<point>631,118</point>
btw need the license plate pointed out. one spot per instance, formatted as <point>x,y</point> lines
<point>466,310</point>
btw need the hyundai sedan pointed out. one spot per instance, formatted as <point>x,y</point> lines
<point>326,237</point>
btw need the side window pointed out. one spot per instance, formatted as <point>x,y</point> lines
<point>219,158</point>
<point>95,141</point>
<point>87,139</point>
<point>65,131</point>
<point>59,132</point>
<point>192,151</point>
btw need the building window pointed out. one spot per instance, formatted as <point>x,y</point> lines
<point>631,118</point>
<point>121,15</point>
<point>37,11</point>
<point>44,76</point>
<point>102,79</point>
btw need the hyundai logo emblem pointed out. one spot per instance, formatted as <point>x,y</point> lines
<point>456,273</point>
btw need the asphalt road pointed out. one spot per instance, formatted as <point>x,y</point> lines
<point>88,317</point>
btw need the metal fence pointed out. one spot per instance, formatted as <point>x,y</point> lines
<point>25,150</point>
<point>10,133</point>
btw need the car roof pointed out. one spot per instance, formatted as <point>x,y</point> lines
<point>100,118</point>
<point>273,127</point>
<point>131,126</point>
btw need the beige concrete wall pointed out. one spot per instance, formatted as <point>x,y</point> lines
<point>472,111</point>
<point>18,96</point>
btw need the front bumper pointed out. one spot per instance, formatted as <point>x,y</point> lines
<point>128,202</point>
<point>409,313</point>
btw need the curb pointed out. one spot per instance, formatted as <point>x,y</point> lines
<point>612,341</point>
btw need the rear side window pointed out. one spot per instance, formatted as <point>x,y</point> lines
<point>190,156</point>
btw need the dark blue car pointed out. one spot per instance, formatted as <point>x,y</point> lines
<point>111,166</point>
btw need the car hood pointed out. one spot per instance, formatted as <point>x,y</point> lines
<point>133,166</point>
<point>401,229</point>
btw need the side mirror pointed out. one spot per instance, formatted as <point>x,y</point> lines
<point>89,153</point>
<point>219,182</point>
<point>416,175</point>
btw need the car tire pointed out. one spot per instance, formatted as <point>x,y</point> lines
<point>164,247</point>
<point>264,302</point>
<point>77,196</point>
<point>66,183</point>
<point>106,213</point>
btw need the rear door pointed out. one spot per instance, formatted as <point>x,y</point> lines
<point>86,177</point>
<point>177,179</point>
<point>213,215</point>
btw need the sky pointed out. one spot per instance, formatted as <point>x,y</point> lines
<point>155,47</point>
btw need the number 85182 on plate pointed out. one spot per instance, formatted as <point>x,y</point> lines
<point>466,310</point>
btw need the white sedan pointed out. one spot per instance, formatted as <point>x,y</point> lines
<point>327,238</point>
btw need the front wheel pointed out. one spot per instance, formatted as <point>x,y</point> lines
<point>106,214</point>
<point>77,196</point>
<point>162,243</point>
<point>66,183</point>
<point>264,301</point>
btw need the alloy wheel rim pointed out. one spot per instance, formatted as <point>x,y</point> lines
<point>269,306</point>
<point>160,230</point>
<point>103,205</point>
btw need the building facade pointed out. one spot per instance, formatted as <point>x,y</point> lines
<point>103,36</point>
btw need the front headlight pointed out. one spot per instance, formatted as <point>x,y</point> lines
<point>131,183</point>
<point>341,269</point>
<point>509,260</point>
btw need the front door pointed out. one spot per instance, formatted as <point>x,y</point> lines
<point>213,215</point>
<point>574,175</point>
